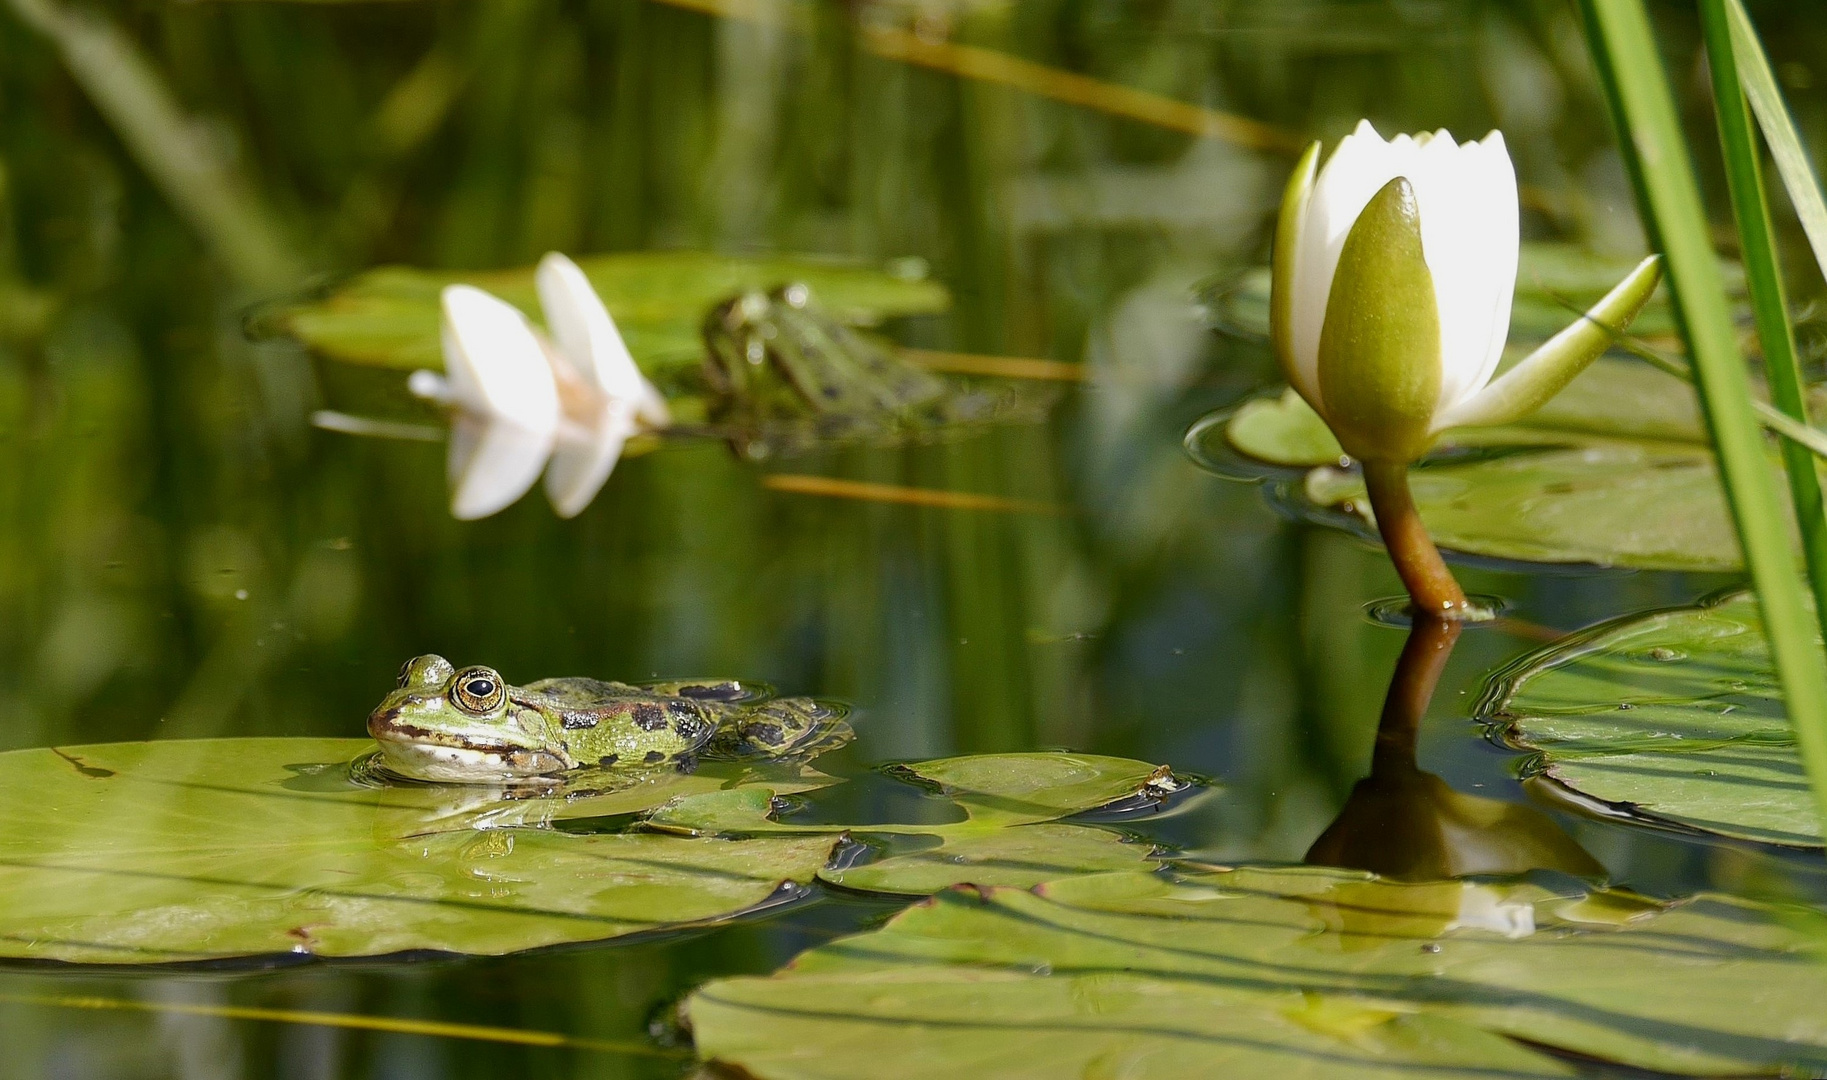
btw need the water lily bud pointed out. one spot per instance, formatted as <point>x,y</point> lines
<point>1394,269</point>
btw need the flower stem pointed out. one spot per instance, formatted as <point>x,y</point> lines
<point>1430,584</point>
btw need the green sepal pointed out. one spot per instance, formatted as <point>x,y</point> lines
<point>1379,350</point>
<point>1546,371</point>
<point>1281,283</point>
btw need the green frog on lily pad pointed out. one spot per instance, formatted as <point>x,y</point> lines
<point>446,724</point>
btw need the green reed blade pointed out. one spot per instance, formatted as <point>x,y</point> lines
<point>1769,305</point>
<point>1786,148</point>
<point>1624,51</point>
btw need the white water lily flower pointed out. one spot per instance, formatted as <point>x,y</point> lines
<point>526,403</point>
<point>497,377</point>
<point>1394,269</point>
<point>605,397</point>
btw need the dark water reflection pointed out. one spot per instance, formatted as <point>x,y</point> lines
<point>1407,824</point>
<point>181,555</point>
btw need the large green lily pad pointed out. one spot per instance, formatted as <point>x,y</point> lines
<point>389,316</point>
<point>1615,471</point>
<point>1286,973</point>
<point>1011,833</point>
<point>203,849</point>
<point>193,850</point>
<point>1674,718</point>
<point>1642,505</point>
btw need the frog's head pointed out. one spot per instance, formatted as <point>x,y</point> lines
<point>459,726</point>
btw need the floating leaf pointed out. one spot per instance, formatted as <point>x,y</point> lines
<point>1674,717</point>
<point>1643,505</point>
<point>1282,431</point>
<point>1287,973</point>
<point>1018,857</point>
<point>389,316</point>
<point>1010,834</point>
<point>1582,480</point>
<point>192,850</point>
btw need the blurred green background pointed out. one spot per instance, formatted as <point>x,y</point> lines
<point>181,554</point>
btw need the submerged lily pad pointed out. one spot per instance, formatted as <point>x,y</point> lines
<point>1286,973</point>
<point>389,316</point>
<point>1011,834</point>
<point>1674,718</point>
<point>193,850</point>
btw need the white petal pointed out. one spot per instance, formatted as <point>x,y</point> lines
<point>1358,168</point>
<point>494,364</point>
<point>492,463</point>
<point>581,465</point>
<point>1470,238</point>
<point>587,336</point>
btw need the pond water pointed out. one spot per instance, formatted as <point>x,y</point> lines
<point>182,555</point>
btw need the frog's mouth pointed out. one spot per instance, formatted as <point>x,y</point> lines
<point>424,754</point>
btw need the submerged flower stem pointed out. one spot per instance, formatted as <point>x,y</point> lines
<point>1430,584</point>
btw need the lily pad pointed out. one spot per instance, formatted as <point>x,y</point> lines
<point>1281,972</point>
<point>1011,834</point>
<point>194,850</point>
<point>1583,480</point>
<point>1672,718</point>
<point>389,316</point>
<point>1643,505</point>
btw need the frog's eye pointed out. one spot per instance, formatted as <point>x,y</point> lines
<point>477,690</point>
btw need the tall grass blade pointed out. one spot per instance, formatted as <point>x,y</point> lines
<point>1769,305</point>
<point>1792,163</point>
<point>1624,51</point>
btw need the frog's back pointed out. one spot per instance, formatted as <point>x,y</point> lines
<point>792,729</point>
<point>607,723</point>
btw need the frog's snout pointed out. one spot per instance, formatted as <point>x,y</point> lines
<point>387,722</point>
<point>382,720</point>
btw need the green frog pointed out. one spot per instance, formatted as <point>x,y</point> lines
<point>782,371</point>
<point>468,726</point>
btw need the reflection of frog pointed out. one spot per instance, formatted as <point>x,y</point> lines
<point>468,726</point>
<point>782,370</point>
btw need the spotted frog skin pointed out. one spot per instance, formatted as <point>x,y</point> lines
<point>467,725</point>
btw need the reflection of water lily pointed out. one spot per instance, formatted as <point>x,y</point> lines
<point>1403,823</point>
<point>526,403</point>
<point>1394,267</point>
